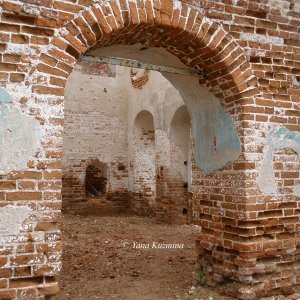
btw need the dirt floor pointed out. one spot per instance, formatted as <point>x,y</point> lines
<point>103,259</point>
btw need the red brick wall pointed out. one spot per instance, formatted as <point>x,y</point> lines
<point>139,80</point>
<point>249,52</point>
<point>287,166</point>
<point>74,189</point>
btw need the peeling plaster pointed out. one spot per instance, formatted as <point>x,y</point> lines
<point>20,49</point>
<point>19,136</point>
<point>216,139</point>
<point>210,120</point>
<point>297,190</point>
<point>11,220</point>
<point>278,140</point>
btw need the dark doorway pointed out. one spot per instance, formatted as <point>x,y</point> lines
<point>96,179</point>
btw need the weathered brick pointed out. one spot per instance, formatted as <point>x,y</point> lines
<point>25,282</point>
<point>52,71</point>
<point>17,77</point>
<point>20,39</point>
<point>67,7</point>
<point>7,185</point>
<point>237,219</point>
<point>47,90</point>
<point>18,19</point>
<point>11,7</point>
<point>15,196</point>
<point>27,259</point>
<point>50,289</point>
<point>9,27</point>
<point>7,294</point>
<point>46,226</point>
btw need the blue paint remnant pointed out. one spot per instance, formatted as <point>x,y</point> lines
<point>282,136</point>
<point>215,135</point>
<point>216,138</point>
<point>278,140</point>
<point>4,96</point>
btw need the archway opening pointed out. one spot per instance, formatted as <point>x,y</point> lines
<point>215,134</point>
<point>174,178</point>
<point>201,44</point>
<point>125,131</point>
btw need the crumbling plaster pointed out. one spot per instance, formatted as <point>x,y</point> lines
<point>11,220</point>
<point>19,136</point>
<point>277,140</point>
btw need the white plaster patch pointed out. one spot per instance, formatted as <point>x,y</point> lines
<point>255,52</point>
<point>295,82</point>
<point>81,177</point>
<point>19,136</point>
<point>20,49</point>
<point>262,39</point>
<point>11,220</point>
<point>266,177</point>
<point>297,190</point>
<point>31,10</point>
<point>282,5</point>
<point>177,4</point>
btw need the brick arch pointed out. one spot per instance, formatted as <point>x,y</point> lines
<point>243,232</point>
<point>197,41</point>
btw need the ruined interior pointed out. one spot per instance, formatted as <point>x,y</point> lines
<point>132,128</point>
<point>127,151</point>
<point>215,146</point>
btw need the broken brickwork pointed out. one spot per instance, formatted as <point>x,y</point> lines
<point>248,53</point>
